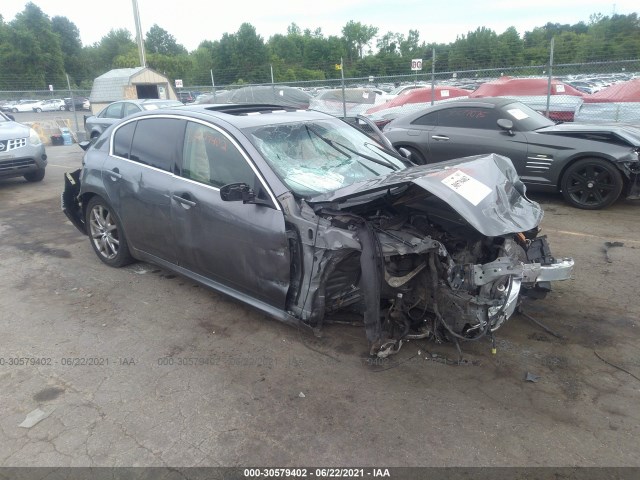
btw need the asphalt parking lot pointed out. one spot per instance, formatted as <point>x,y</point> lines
<point>141,367</point>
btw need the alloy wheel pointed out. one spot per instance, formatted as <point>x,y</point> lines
<point>104,232</point>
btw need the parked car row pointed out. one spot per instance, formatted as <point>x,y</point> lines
<point>45,105</point>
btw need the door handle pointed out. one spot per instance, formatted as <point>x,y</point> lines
<point>439,137</point>
<point>115,174</point>
<point>185,200</point>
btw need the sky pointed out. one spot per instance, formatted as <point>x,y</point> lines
<point>437,21</point>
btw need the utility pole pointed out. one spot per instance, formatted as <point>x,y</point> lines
<point>139,38</point>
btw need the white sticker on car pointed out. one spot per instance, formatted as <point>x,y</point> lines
<point>517,114</point>
<point>444,93</point>
<point>467,187</point>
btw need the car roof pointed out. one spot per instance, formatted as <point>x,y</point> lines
<point>246,115</point>
<point>492,102</point>
<point>140,101</point>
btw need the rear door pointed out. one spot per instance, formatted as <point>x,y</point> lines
<point>139,177</point>
<point>243,246</point>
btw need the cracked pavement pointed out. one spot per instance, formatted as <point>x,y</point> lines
<point>145,368</point>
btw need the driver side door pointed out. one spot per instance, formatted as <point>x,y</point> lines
<point>241,246</point>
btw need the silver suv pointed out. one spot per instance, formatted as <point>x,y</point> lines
<point>22,153</point>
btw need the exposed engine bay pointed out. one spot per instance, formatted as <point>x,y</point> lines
<point>413,268</point>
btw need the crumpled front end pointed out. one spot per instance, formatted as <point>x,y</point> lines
<point>412,265</point>
<point>70,202</point>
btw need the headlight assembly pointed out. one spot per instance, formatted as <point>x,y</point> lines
<point>34,138</point>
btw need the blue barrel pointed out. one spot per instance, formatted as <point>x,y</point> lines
<point>66,136</point>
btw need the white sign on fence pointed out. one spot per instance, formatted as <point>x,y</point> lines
<point>178,83</point>
<point>416,64</point>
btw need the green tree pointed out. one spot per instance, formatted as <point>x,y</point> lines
<point>35,51</point>
<point>510,49</point>
<point>356,36</point>
<point>250,54</point>
<point>158,40</point>
<point>71,47</point>
<point>389,44</point>
<point>116,43</point>
<point>409,47</point>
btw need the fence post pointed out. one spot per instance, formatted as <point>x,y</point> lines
<point>73,105</point>
<point>433,76</point>
<point>344,99</point>
<point>213,85</point>
<point>550,75</point>
<point>273,85</point>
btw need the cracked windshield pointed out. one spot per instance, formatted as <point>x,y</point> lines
<point>319,157</point>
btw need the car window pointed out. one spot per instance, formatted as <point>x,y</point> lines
<point>113,111</point>
<point>210,157</point>
<point>428,119</point>
<point>468,117</point>
<point>130,109</point>
<point>157,142</point>
<point>122,140</point>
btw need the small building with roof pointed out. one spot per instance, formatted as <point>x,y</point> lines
<point>127,84</point>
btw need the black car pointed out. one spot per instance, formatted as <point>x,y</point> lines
<point>186,97</point>
<point>77,103</point>
<point>303,216</point>
<point>592,165</point>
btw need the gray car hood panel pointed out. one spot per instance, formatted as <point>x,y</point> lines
<point>10,130</point>
<point>484,190</point>
<point>629,133</point>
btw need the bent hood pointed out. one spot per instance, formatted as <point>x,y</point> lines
<point>627,132</point>
<point>484,190</point>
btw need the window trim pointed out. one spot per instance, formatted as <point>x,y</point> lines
<point>233,141</point>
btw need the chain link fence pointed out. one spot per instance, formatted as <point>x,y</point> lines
<point>580,92</point>
<point>585,92</point>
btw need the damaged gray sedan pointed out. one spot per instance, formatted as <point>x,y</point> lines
<point>308,219</point>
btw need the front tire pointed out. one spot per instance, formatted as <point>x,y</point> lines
<point>591,184</point>
<point>35,176</point>
<point>106,234</point>
<point>39,110</point>
<point>62,108</point>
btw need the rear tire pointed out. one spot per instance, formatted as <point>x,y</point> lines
<point>35,176</point>
<point>106,235</point>
<point>591,184</point>
<point>62,108</point>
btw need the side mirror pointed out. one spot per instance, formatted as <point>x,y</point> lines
<point>507,125</point>
<point>235,192</point>
<point>85,145</point>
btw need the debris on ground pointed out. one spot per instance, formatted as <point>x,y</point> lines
<point>530,377</point>
<point>608,246</point>
<point>36,416</point>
